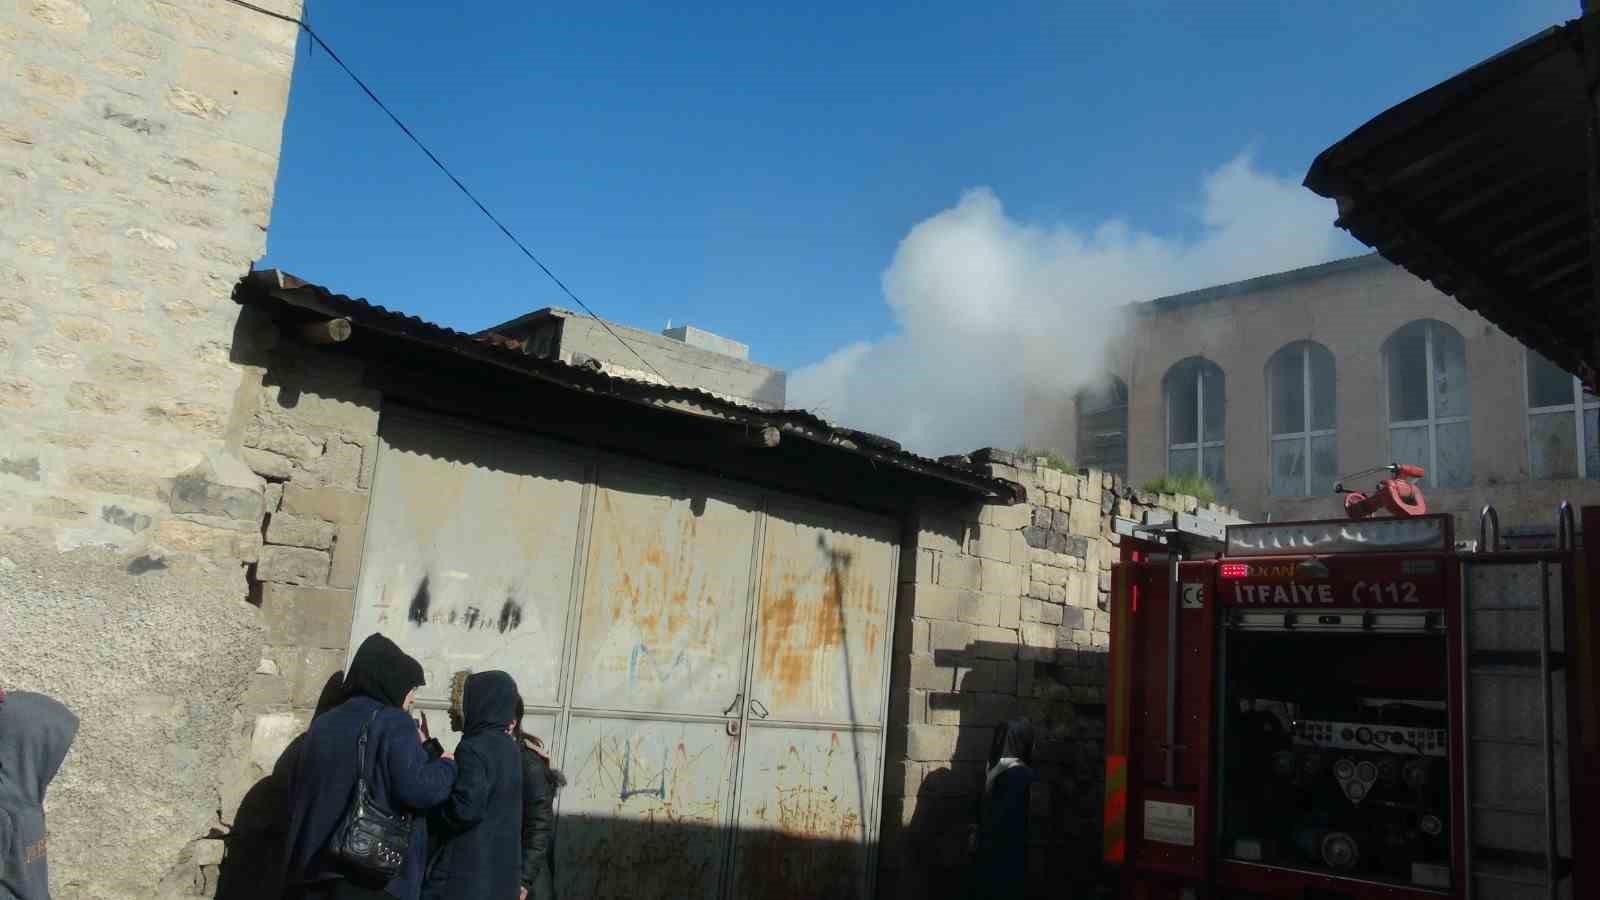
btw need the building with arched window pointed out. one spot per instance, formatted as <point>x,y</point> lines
<point>1275,387</point>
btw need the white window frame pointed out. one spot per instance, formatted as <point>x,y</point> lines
<point>1433,421</point>
<point>1307,432</point>
<point>1200,444</point>
<point>1581,403</point>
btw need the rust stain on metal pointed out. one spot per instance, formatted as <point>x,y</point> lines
<point>806,608</point>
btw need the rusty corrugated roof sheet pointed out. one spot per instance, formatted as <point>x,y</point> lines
<point>1480,185</point>
<point>270,286</point>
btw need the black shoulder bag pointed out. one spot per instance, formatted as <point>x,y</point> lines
<point>370,842</point>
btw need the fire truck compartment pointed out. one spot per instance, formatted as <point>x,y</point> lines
<point>1334,751</point>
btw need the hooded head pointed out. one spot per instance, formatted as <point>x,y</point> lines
<point>458,690</point>
<point>1012,740</point>
<point>35,733</point>
<point>489,701</point>
<point>382,671</point>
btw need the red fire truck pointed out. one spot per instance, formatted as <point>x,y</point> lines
<point>1360,708</point>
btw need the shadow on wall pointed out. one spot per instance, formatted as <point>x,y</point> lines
<point>649,858</point>
<point>252,869</point>
<point>1063,696</point>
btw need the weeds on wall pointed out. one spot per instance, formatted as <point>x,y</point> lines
<point>1051,459</point>
<point>1192,485</point>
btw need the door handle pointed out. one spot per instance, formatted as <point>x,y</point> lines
<point>759,710</point>
<point>733,708</point>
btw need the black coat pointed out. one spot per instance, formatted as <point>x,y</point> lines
<point>539,786</point>
<point>401,777</point>
<point>479,829</point>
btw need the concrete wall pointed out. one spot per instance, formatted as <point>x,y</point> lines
<point>138,150</point>
<point>1350,307</point>
<point>1002,613</point>
<point>677,362</point>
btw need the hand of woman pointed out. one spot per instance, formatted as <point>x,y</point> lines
<point>523,894</point>
<point>422,727</point>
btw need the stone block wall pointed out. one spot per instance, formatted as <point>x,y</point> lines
<point>311,436</point>
<point>139,145</point>
<point>1003,613</point>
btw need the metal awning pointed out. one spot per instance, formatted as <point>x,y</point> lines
<point>1482,186</point>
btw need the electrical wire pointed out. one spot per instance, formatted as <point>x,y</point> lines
<point>318,41</point>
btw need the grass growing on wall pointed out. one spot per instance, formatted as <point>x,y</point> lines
<point>1051,459</point>
<point>1193,485</point>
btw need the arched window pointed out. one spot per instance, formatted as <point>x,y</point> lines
<point>1425,372</point>
<point>1102,414</point>
<point>1196,399</point>
<point>1300,420</point>
<point>1563,423</point>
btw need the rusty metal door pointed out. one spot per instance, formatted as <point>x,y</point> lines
<point>708,662</point>
<point>812,761</point>
<point>472,540</point>
<point>653,739</point>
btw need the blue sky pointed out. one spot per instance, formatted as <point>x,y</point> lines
<point>753,171</point>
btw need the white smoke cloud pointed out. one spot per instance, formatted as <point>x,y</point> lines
<point>987,307</point>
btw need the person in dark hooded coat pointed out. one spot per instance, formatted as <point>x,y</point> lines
<point>479,829</point>
<point>402,776</point>
<point>1000,870</point>
<point>540,782</point>
<point>35,733</point>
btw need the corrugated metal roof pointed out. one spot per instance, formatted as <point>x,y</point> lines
<point>1480,185</point>
<point>271,287</point>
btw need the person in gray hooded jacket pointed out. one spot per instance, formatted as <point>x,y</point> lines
<point>35,733</point>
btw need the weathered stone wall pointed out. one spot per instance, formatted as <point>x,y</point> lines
<point>138,149</point>
<point>1003,612</point>
<point>311,435</point>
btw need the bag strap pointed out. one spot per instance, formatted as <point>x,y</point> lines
<point>361,752</point>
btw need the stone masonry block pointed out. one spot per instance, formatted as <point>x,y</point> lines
<point>921,568</point>
<point>293,565</point>
<point>307,616</point>
<point>317,667</point>
<point>960,573</point>
<point>932,602</point>
<point>931,743</point>
<point>1042,517</point>
<point>951,636</point>
<point>1038,641</point>
<point>1008,518</point>
<point>1073,618</point>
<point>1003,579</point>
<point>946,708</point>
<point>926,675</point>
<point>1051,614</point>
<point>1032,609</point>
<point>1086,518</point>
<point>941,536</point>
<point>1044,574</point>
<point>989,542</point>
<point>996,643</point>
<point>1082,589</point>
<point>332,504</point>
<point>1050,479</point>
<point>194,493</point>
<point>979,609</point>
<point>1010,610</point>
<point>348,542</point>
<point>299,531</point>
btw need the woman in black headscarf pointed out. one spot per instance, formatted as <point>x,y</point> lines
<point>1001,867</point>
<point>540,782</point>
<point>401,775</point>
<point>479,829</point>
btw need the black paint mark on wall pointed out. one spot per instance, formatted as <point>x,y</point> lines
<point>142,564</point>
<point>116,515</point>
<point>510,616</point>
<point>470,620</point>
<point>420,601</point>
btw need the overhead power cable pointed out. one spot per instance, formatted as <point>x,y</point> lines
<point>372,95</point>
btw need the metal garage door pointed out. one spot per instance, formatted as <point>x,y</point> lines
<point>710,662</point>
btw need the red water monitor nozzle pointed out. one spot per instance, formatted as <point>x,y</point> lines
<point>1396,493</point>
